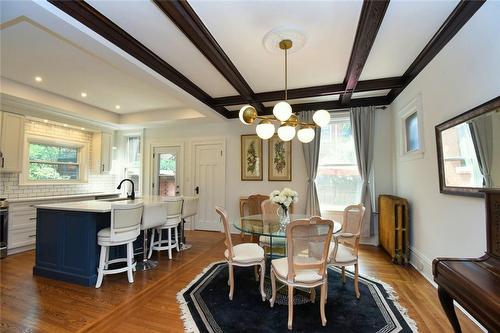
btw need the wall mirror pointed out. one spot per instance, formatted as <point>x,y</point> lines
<point>468,148</point>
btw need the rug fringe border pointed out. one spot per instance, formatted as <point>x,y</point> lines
<point>393,296</point>
<point>186,317</point>
<point>190,325</point>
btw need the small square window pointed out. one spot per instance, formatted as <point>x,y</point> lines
<point>412,138</point>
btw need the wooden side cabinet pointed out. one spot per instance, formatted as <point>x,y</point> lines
<point>102,147</point>
<point>11,142</point>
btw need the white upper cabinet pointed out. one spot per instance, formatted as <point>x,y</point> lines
<point>102,147</point>
<point>11,142</point>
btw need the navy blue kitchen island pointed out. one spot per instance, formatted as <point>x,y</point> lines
<point>66,244</point>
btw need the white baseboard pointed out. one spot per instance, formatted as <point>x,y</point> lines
<point>20,249</point>
<point>424,266</point>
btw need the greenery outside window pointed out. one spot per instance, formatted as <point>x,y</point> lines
<point>337,181</point>
<point>52,161</point>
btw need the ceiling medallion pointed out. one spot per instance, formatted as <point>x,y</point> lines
<point>283,114</point>
<point>274,37</point>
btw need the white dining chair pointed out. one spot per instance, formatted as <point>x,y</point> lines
<point>189,210</point>
<point>345,245</point>
<point>154,215</point>
<point>305,266</point>
<point>242,255</point>
<point>173,219</point>
<point>124,229</point>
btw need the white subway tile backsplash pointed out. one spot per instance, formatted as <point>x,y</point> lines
<point>9,182</point>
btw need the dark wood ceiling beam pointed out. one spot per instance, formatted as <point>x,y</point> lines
<point>324,90</point>
<point>93,19</point>
<point>372,14</point>
<point>330,105</point>
<point>455,21</point>
<point>186,19</point>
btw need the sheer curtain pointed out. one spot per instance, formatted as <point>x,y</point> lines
<point>481,130</point>
<point>311,156</point>
<point>363,122</point>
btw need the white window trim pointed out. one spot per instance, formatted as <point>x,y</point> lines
<point>414,106</point>
<point>83,160</point>
<point>126,136</point>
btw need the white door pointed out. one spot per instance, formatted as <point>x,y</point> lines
<point>167,179</point>
<point>210,184</point>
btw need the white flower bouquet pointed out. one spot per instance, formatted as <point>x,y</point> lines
<point>285,197</point>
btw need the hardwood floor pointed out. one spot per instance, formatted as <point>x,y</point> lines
<point>37,304</point>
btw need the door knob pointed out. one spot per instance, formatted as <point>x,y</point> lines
<point>197,190</point>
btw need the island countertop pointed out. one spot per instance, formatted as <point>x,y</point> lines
<point>98,206</point>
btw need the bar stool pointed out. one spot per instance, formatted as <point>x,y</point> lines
<point>154,215</point>
<point>174,216</point>
<point>189,209</point>
<point>124,229</point>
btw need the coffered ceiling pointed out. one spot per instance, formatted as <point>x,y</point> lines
<point>171,58</point>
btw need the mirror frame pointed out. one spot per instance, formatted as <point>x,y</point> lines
<point>473,113</point>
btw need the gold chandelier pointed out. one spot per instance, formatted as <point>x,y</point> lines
<point>283,115</point>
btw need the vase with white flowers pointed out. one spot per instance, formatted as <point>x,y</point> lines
<point>284,198</point>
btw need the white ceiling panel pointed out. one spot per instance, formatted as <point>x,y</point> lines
<point>150,26</point>
<point>374,93</point>
<point>240,26</point>
<point>407,27</point>
<point>29,50</point>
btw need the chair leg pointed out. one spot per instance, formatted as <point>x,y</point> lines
<point>256,272</point>
<point>326,289</point>
<point>273,288</point>
<point>107,258</point>
<point>312,295</point>
<point>151,244</point>
<point>231,282</point>
<point>170,243</point>
<point>130,254</point>
<point>262,277</point>
<point>356,280</point>
<point>100,269</point>
<point>322,303</point>
<point>343,274</point>
<point>160,236</point>
<point>290,307</point>
<point>176,240</point>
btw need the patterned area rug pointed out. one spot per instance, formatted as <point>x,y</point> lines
<point>205,306</point>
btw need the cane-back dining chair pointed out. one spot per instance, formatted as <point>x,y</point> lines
<point>305,266</point>
<point>251,206</point>
<point>243,255</point>
<point>345,245</point>
<point>269,221</point>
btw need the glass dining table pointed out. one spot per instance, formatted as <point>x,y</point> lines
<point>269,230</point>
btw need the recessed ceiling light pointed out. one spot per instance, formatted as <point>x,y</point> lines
<point>117,107</point>
<point>82,128</point>
<point>45,121</point>
<point>38,79</point>
<point>83,94</point>
<point>65,125</point>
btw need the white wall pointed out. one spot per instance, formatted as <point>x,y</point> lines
<point>230,130</point>
<point>466,73</point>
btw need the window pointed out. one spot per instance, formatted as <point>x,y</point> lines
<point>411,129</point>
<point>338,181</point>
<point>53,161</point>
<point>133,160</point>
<point>411,125</point>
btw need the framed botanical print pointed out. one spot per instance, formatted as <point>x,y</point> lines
<point>280,159</point>
<point>251,157</point>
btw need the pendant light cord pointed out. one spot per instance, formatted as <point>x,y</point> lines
<point>286,74</point>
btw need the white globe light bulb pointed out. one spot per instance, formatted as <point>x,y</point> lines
<point>247,114</point>
<point>282,111</point>
<point>265,129</point>
<point>321,118</point>
<point>305,134</point>
<point>286,132</point>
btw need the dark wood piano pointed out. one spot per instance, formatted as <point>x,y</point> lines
<point>474,283</point>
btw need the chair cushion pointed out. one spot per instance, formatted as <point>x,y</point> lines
<point>344,254</point>
<point>104,235</point>
<point>280,266</point>
<point>246,252</point>
<point>278,241</point>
